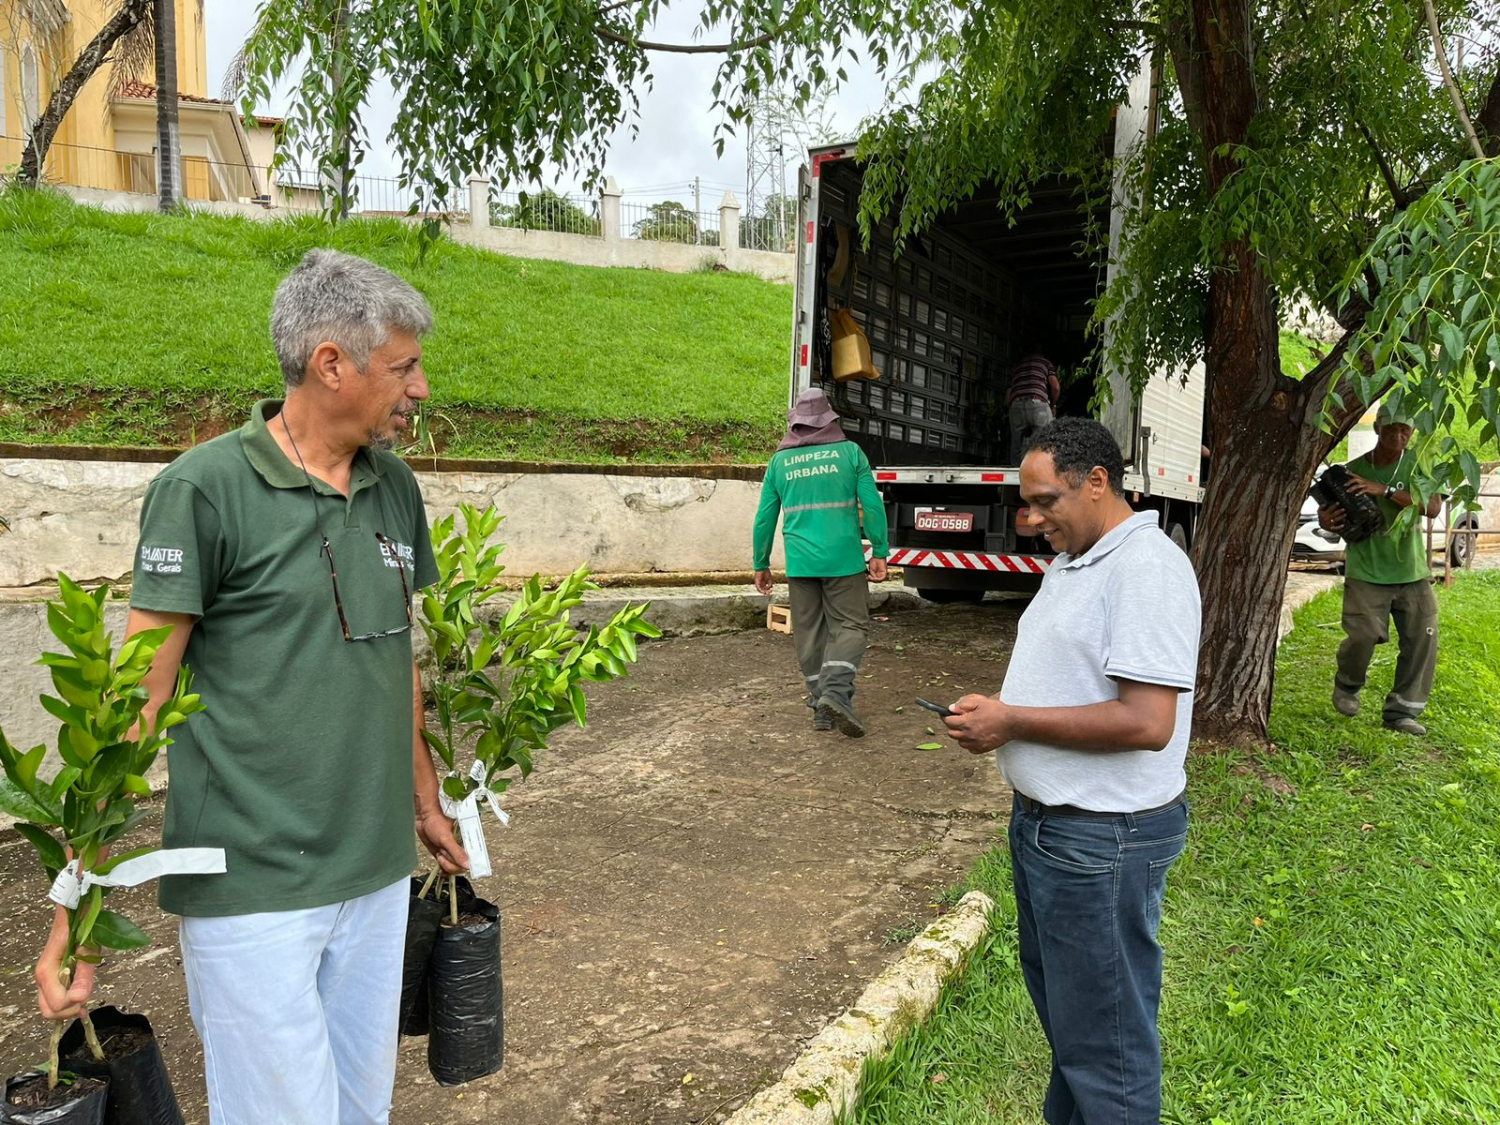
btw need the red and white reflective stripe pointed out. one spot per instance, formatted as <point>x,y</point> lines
<point>947,474</point>
<point>967,560</point>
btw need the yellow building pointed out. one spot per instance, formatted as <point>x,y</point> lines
<point>107,140</point>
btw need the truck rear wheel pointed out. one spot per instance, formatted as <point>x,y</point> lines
<point>1178,534</point>
<point>950,597</point>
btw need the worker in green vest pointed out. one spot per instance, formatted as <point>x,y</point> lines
<point>1386,577</point>
<point>819,483</point>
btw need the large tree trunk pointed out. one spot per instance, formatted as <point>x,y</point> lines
<point>168,139</point>
<point>1264,441</point>
<point>1265,453</point>
<point>40,134</point>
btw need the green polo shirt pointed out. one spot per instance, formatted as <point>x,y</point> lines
<point>1388,559</point>
<point>818,491</point>
<point>300,767</point>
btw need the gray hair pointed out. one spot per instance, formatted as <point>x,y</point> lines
<point>338,298</point>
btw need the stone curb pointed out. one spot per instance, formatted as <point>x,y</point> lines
<point>1301,589</point>
<point>823,1082</point>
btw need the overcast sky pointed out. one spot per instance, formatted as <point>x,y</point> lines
<point>676,128</point>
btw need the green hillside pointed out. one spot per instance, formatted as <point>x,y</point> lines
<point>127,329</point>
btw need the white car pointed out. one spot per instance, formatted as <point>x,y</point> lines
<point>1313,544</point>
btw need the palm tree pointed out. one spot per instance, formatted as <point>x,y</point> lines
<point>129,39</point>
<point>168,140</point>
<point>118,38</point>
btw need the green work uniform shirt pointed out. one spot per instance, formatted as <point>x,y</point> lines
<point>1387,559</point>
<point>300,767</point>
<point>818,491</point>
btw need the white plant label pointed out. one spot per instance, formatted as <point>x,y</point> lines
<point>68,888</point>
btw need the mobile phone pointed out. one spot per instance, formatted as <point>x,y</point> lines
<point>938,707</point>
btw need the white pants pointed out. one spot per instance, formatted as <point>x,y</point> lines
<point>297,1010</point>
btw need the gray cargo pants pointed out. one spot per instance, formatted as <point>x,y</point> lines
<point>830,627</point>
<point>1368,611</point>
<point>1027,416</point>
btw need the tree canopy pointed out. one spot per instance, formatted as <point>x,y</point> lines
<point>514,89</point>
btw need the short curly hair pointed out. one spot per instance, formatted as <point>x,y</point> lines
<point>1077,445</point>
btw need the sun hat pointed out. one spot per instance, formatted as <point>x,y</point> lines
<point>811,410</point>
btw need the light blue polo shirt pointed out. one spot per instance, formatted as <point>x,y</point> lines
<point>1126,609</point>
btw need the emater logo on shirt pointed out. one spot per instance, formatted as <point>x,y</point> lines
<point>395,554</point>
<point>161,560</point>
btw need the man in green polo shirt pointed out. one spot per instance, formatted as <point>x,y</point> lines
<point>1386,577</point>
<point>286,555</point>
<point>819,483</point>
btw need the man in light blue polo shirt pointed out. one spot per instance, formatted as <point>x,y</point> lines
<point>1091,731</point>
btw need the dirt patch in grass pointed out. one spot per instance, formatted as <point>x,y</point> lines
<point>167,419</point>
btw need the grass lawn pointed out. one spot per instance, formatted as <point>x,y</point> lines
<point>1331,930</point>
<point>122,329</point>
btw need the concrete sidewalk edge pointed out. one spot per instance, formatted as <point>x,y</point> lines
<point>823,1081</point>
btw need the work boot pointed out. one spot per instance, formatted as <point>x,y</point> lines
<point>823,719</point>
<point>1406,725</point>
<point>842,716</point>
<point>1345,702</point>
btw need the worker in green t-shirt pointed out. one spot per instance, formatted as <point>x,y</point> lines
<point>1386,578</point>
<point>819,483</point>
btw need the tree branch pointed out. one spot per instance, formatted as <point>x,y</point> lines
<point>693,48</point>
<point>1453,90</point>
<point>1398,193</point>
<point>616,6</point>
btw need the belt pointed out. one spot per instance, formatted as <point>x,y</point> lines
<point>1032,398</point>
<point>1037,808</point>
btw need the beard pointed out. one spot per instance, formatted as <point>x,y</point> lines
<point>383,442</point>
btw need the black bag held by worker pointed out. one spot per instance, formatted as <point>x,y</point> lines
<point>1362,517</point>
<point>423,916</point>
<point>465,998</point>
<point>140,1092</point>
<point>79,1103</point>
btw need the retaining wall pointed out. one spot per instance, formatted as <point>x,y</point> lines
<point>79,516</point>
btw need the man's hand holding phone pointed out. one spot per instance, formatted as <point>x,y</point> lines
<point>980,723</point>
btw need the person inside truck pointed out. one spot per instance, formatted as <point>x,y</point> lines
<point>1031,397</point>
<point>818,483</point>
<point>1090,729</point>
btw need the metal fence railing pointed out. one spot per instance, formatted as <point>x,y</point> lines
<point>290,187</point>
<point>669,221</point>
<point>546,210</point>
<point>380,195</point>
<point>762,233</point>
<point>217,181</point>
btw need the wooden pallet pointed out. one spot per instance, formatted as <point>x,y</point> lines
<point>779,618</point>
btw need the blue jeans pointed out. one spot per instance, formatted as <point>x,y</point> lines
<point>1088,905</point>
